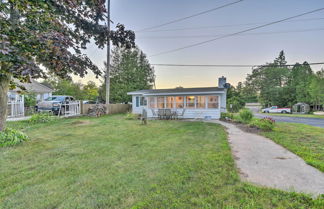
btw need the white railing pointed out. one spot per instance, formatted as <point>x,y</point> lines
<point>16,109</point>
<point>70,109</point>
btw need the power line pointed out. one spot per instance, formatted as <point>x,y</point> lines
<point>225,26</point>
<point>210,36</point>
<point>191,16</point>
<point>237,33</point>
<point>229,65</point>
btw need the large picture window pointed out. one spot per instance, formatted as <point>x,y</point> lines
<point>213,102</point>
<point>201,102</point>
<point>152,102</point>
<point>169,102</point>
<point>160,102</point>
<point>190,102</point>
<point>179,102</point>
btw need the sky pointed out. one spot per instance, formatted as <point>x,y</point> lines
<point>254,48</point>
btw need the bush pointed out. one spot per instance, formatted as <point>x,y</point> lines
<point>227,116</point>
<point>10,137</point>
<point>265,124</point>
<point>131,116</point>
<point>246,115</point>
<point>41,118</point>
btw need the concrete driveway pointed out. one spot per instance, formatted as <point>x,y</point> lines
<point>318,122</point>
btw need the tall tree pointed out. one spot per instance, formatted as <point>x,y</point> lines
<point>51,34</point>
<point>130,71</point>
<point>270,81</point>
<point>299,81</point>
<point>316,90</point>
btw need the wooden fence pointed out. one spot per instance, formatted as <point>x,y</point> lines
<point>112,108</point>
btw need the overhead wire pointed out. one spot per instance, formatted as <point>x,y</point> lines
<point>188,17</point>
<point>225,26</point>
<point>217,35</point>
<point>237,33</point>
<point>230,65</point>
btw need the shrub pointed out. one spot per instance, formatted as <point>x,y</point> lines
<point>265,124</point>
<point>227,116</point>
<point>10,137</point>
<point>246,115</point>
<point>131,116</point>
<point>41,118</point>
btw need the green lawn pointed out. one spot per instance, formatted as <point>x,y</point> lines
<point>304,140</point>
<point>296,115</point>
<point>111,162</point>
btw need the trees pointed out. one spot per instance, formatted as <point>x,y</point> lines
<point>316,90</point>
<point>277,84</point>
<point>90,91</point>
<point>51,34</point>
<point>130,71</point>
<point>76,89</point>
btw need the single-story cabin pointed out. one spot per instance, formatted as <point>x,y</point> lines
<point>206,102</point>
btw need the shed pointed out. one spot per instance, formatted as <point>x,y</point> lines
<point>301,108</point>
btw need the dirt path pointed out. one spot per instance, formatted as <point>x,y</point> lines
<point>261,161</point>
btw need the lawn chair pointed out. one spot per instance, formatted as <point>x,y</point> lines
<point>161,113</point>
<point>168,114</point>
<point>154,113</point>
<point>182,114</point>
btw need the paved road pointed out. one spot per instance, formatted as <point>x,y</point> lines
<point>264,162</point>
<point>318,122</point>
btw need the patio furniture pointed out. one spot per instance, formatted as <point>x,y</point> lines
<point>182,114</point>
<point>153,113</point>
<point>168,114</point>
<point>161,113</point>
<point>174,115</point>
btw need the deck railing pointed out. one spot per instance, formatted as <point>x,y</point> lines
<point>15,109</point>
<point>70,109</point>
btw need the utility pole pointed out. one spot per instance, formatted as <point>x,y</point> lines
<point>108,55</point>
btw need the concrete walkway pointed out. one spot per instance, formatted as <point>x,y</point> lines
<point>263,162</point>
<point>19,119</point>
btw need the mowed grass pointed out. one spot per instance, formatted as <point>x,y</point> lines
<point>111,162</point>
<point>304,140</point>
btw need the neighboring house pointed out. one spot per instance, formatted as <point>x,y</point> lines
<point>197,102</point>
<point>16,97</point>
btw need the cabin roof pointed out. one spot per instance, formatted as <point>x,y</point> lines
<point>199,90</point>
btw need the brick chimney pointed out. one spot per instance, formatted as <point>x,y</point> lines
<point>221,82</point>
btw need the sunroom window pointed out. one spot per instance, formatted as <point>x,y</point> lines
<point>169,102</point>
<point>190,102</point>
<point>160,102</point>
<point>152,102</point>
<point>201,102</point>
<point>213,102</point>
<point>179,102</point>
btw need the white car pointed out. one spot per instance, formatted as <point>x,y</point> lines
<point>275,109</point>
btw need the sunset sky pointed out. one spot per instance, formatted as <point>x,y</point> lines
<point>302,40</point>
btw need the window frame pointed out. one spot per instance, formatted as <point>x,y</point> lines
<point>217,102</point>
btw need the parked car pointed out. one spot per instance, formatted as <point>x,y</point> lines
<point>89,102</point>
<point>275,109</point>
<point>53,104</point>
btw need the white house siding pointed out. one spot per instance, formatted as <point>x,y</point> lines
<point>136,110</point>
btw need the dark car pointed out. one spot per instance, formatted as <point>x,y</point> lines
<point>55,104</point>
